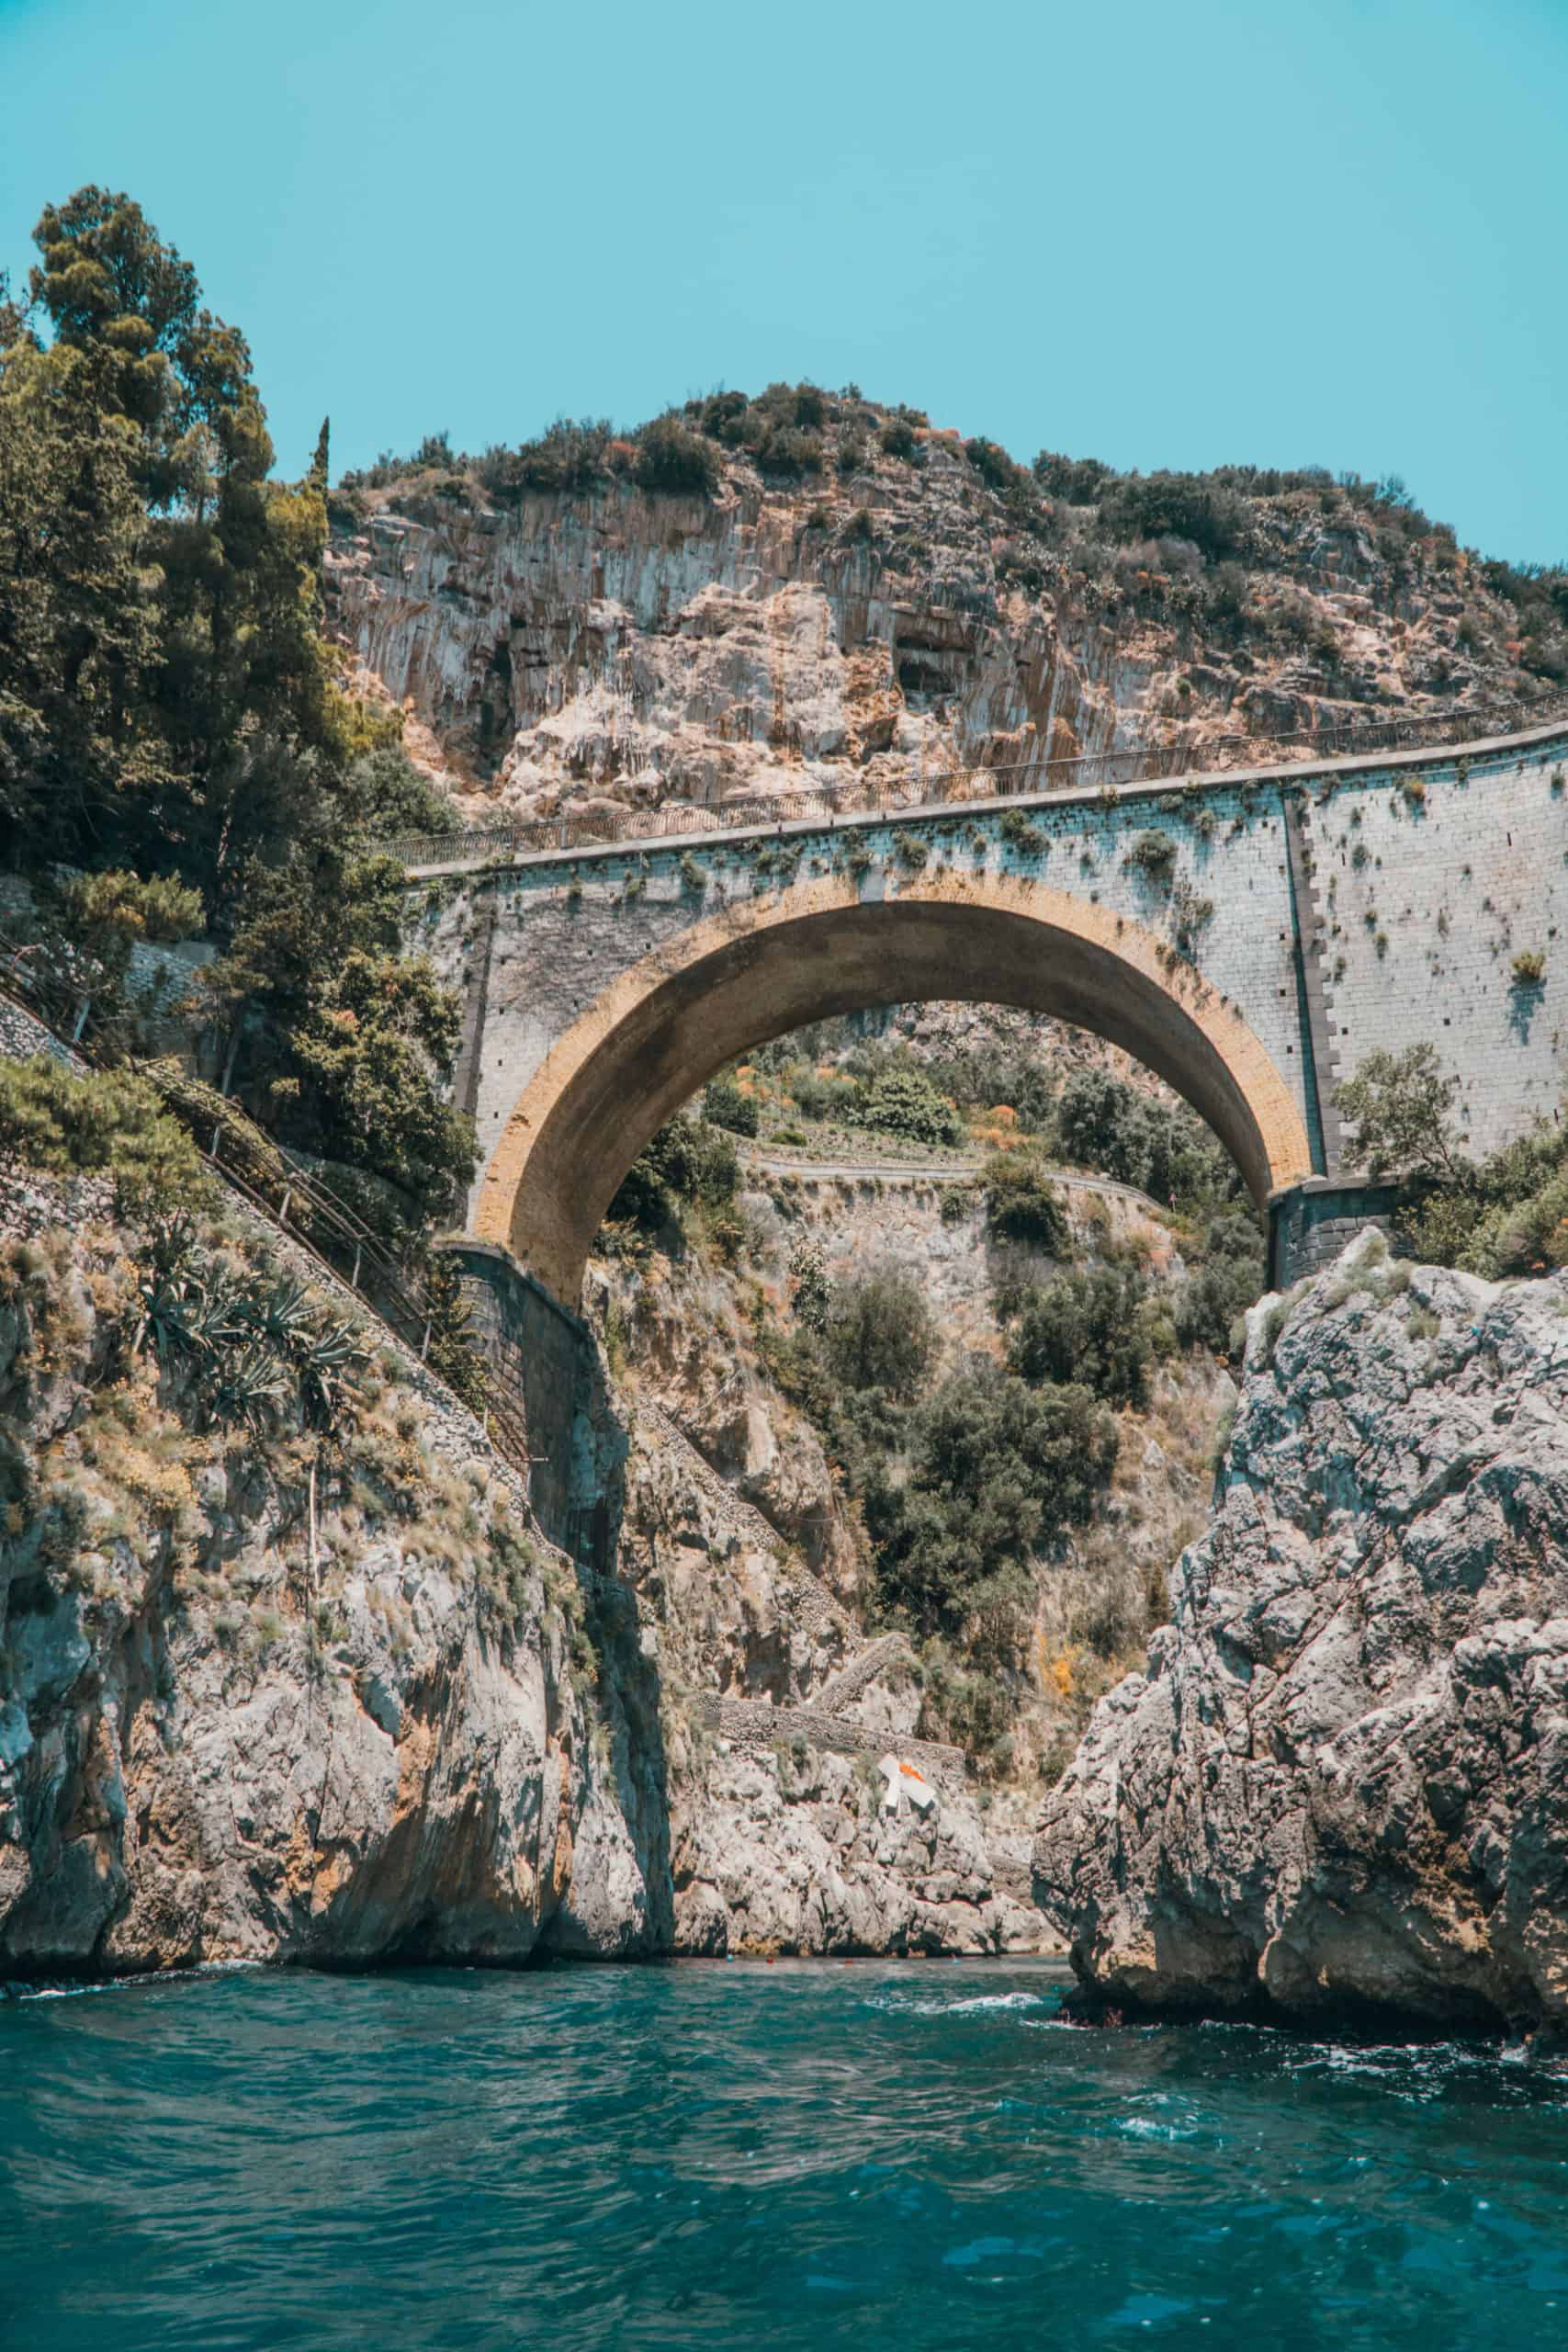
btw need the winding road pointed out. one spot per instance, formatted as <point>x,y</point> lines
<point>944,1171</point>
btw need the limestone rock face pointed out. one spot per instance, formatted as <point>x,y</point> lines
<point>1344,1777</point>
<point>746,1573</point>
<point>628,649</point>
<point>224,1737</point>
<point>616,648</point>
<point>809,1854</point>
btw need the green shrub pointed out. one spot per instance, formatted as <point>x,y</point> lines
<point>1078,482</point>
<point>123,904</point>
<point>573,454</point>
<point>1090,1328</point>
<point>670,457</point>
<point>997,1469</point>
<point>896,439</point>
<point>785,449</point>
<point>811,1292</point>
<point>1402,1106</point>
<point>879,1333</point>
<point>1223,1284</point>
<point>384,795</point>
<point>724,1105</point>
<point>1102,1122</point>
<point>1178,506</point>
<point>83,928</point>
<point>1524,1237</point>
<point>987,1077</point>
<point>689,1164</point>
<point>902,1101</point>
<point>821,1098</point>
<point>105,1121</point>
<point>1439,1227</point>
<point>995,467</point>
<point>1529,967</point>
<point>1022,1205</point>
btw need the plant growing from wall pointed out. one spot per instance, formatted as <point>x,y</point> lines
<point>1190,915</point>
<point>1028,838</point>
<point>1152,854</point>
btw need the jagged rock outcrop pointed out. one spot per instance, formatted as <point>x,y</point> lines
<point>264,1697</point>
<point>797,1849</point>
<point>1344,1777</point>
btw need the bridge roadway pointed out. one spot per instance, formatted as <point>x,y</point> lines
<point>943,1171</point>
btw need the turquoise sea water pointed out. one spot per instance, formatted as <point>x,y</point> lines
<point>906,2154</point>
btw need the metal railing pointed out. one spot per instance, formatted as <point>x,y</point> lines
<point>307,1212</point>
<point>856,796</point>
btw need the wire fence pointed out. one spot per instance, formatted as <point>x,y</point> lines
<point>824,803</point>
<point>295,1200</point>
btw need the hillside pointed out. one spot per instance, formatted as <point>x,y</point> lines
<point>747,594</point>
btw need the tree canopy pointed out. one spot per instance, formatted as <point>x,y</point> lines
<point>170,709</point>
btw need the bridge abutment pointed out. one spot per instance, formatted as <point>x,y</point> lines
<point>546,1356</point>
<point>1309,1223</point>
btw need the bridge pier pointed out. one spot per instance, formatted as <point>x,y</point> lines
<point>546,1357</point>
<point>1310,1223</point>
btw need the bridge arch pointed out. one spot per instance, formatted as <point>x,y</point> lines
<point>765,966</point>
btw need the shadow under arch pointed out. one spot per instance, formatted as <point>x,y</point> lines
<point>765,966</point>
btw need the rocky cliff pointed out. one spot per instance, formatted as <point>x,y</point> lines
<point>268,1696</point>
<point>1344,1777</point>
<point>868,596</point>
<point>268,1693</point>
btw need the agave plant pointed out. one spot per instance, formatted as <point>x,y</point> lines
<point>248,1387</point>
<point>283,1317</point>
<point>325,1364</point>
<point>171,1294</point>
<point>221,1317</point>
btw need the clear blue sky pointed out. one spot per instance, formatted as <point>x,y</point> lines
<point>1329,233</point>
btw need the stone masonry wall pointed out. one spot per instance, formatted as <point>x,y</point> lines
<point>564,929</point>
<point>1431,881</point>
<point>1423,880</point>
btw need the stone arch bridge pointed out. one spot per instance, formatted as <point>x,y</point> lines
<point>1251,935</point>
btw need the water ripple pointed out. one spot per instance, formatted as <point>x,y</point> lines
<point>892,2155</point>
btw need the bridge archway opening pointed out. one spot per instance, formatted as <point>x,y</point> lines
<point>765,967</point>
